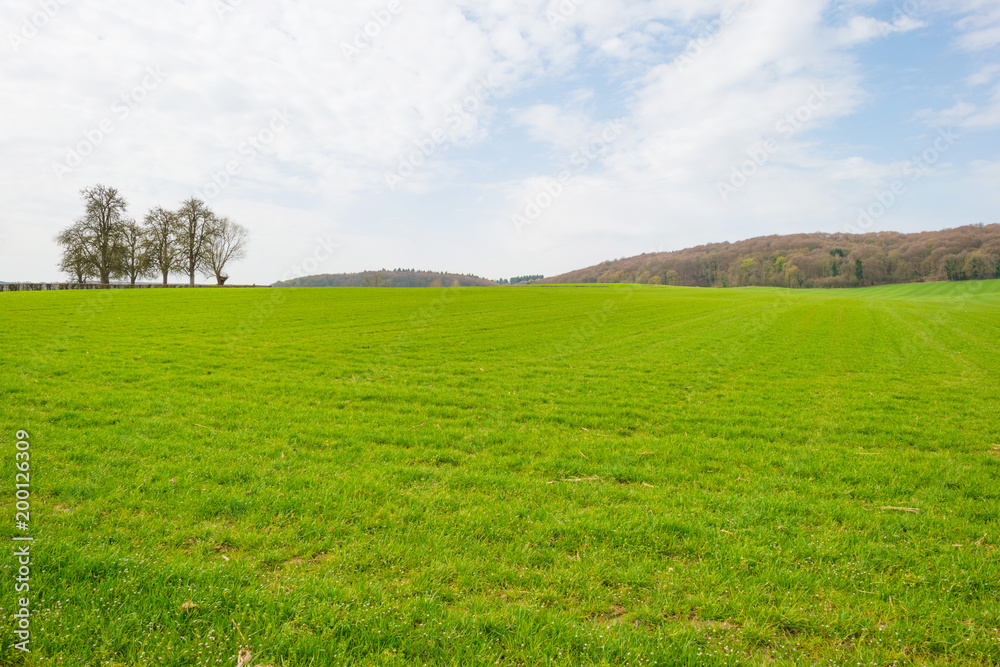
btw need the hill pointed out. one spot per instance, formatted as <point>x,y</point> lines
<point>384,278</point>
<point>813,260</point>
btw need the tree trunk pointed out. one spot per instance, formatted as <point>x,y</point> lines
<point>165,278</point>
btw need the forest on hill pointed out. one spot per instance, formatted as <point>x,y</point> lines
<point>813,260</point>
<point>384,278</point>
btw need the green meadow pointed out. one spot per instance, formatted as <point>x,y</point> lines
<point>543,475</point>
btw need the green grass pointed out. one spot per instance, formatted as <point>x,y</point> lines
<point>385,477</point>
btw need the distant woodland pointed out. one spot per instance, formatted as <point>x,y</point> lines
<point>813,260</point>
<point>384,278</point>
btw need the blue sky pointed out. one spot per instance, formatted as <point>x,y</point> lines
<point>653,112</point>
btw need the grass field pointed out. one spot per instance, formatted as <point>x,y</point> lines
<point>514,476</point>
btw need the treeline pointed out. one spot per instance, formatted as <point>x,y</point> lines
<point>813,260</point>
<point>106,244</point>
<point>523,279</point>
<point>384,278</point>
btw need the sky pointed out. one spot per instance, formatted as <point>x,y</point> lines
<point>497,138</point>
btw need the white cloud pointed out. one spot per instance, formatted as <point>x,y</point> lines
<point>693,126</point>
<point>552,124</point>
<point>864,28</point>
<point>981,24</point>
<point>979,28</point>
<point>984,76</point>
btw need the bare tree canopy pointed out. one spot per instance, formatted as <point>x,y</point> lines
<point>227,242</point>
<point>75,259</point>
<point>94,242</point>
<point>375,279</point>
<point>135,253</point>
<point>161,227</point>
<point>105,244</point>
<point>196,223</point>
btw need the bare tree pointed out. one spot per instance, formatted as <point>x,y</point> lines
<point>196,224</point>
<point>135,253</point>
<point>161,227</point>
<point>75,259</point>
<point>96,237</point>
<point>375,279</point>
<point>228,242</point>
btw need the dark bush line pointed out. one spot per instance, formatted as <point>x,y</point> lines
<point>44,287</point>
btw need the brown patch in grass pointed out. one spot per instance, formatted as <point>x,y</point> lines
<point>296,561</point>
<point>911,510</point>
<point>614,616</point>
<point>244,659</point>
<point>595,478</point>
<point>696,622</point>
